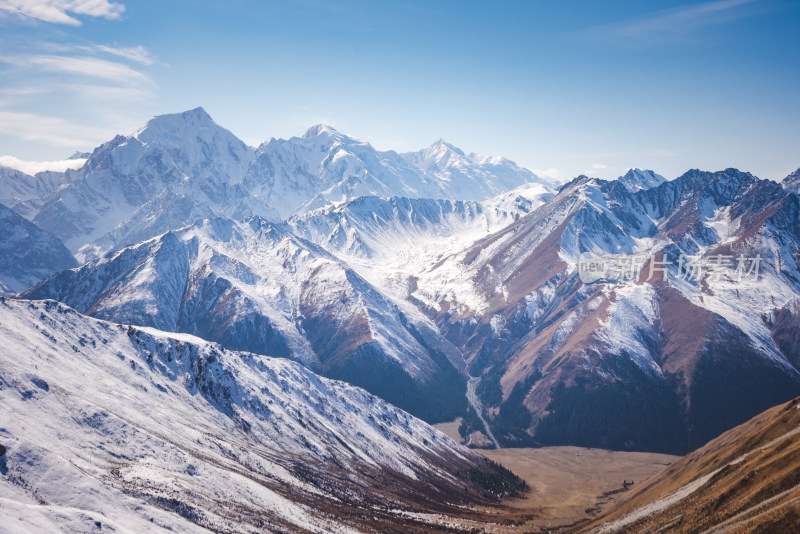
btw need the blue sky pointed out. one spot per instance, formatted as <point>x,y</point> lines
<point>560,87</point>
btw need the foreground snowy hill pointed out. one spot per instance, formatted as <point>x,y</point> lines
<point>255,286</point>
<point>182,167</point>
<point>691,330</point>
<point>121,429</point>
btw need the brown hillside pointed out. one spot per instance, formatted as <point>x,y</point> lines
<point>747,480</point>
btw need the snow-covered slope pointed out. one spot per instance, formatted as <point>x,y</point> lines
<point>654,364</point>
<point>112,428</point>
<point>390,240</point>
<point>255,286</point>
<point>387,229</point>
<point>28,254</point>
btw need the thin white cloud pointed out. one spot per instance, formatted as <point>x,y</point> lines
<point>139,54</point>
<point>32,167</point>
<point>56,11</point>
<point>53,130</point>
<point>677,24</point>
<point>85,66</point>
<point>23,91</point>
<point>598,170</point>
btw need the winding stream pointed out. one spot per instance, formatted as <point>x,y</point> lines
<point>475,402</point>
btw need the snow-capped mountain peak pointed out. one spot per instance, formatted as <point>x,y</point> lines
<point>792,182</point>
<point>638,179</point>
<point>323,129</point>
<point>442,147</point>
<point>197,117</point>
<point>178,131</point>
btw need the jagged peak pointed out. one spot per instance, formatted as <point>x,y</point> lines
<point>443,146</point>
<point>728,173</point>
<point>197,114</point>
<point>173,122</point>
<point>582,178</point>
<point>583,182</point>
<point>724,185</point>
<point>634,171</point>
<point>793,177</point>
<point>322,129</point>
<point>329,134</point>
<point>636,179</point>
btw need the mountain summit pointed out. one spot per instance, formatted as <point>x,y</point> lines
<point>637,179</point>
<point>792,182</point>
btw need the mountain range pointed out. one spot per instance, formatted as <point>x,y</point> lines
<point>447,283</point>
<point>659,361</point>
<point>182,167</point>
